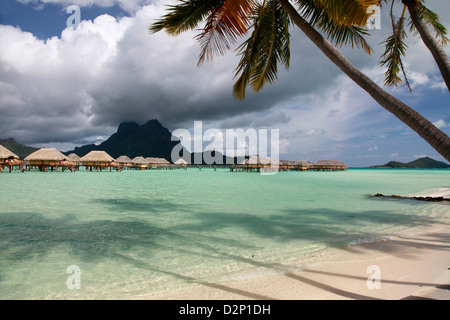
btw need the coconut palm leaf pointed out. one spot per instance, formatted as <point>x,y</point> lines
<point>224,26</point>
<point>432,20</point>
<point>342,12</point>
<point>185,16</point>
<point>268,45</point>
<point>395,49</point>
<point>342,21</point>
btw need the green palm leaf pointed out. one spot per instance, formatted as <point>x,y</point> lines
<point>268,45</point>
<point>342,21</point>
<point>395,49</point>
<point>223,26</point>
<point>185,16</point>
<point>432,20</point>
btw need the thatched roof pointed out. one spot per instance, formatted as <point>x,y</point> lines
<point>263,160</point>
<point>73,157</point>
<point>123,159</point>
<point>6,154</point>
<point>97,156</point>
<point>302,163</point>
<point>151,160</point>
<point>139,160</point>
<point>164,161</point>
<point>157,161</point>
<point>287,163</point>
<point>46,154</point>
<point>338,163</point>
<point>324,163</point>
<point>180,161</point>
<point>331,163</point>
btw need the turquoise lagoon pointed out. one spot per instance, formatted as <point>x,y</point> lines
<point>135,233</point>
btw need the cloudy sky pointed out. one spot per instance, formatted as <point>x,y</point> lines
<point>65,87</point>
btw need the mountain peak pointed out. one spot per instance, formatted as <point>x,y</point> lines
<point>148,140</point>
<point>127,127</point>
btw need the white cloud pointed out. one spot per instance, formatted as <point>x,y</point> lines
<point>82,84</point>
<point>441,124</point>
<point>131,6</point>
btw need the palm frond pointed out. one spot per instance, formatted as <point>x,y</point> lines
<point>185,16</point>
<point>348,12</point>
<point>223,27</point>
<point>342,21</point>
<point>268,45</point>
<point>338,12</point>
<point>395,49</point>
<point>432,20</point>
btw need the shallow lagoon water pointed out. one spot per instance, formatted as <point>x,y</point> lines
<point>134,233</point>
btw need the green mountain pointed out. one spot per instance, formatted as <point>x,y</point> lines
<point>423,163</point>
<point>149,140</point>
<point>132,140</point>
<point>21,150</point>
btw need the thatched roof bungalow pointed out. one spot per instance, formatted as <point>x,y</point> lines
<point>286,165</point>
<point>140,163</point>
<point>181,163</point>
<point>302,165</point>
<point>299,165</point>
<point>97,160</point>
<point>157,163</point>
<point>258,164</point>
<point>6,154</point>
<point>45,158</point>
<point>8,158</point>
<point>330,165</point>
<point>339,165</point>
<point>75,159</point>
<point>124,162</point>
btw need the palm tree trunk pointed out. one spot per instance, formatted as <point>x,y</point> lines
<point>432,44</point>
<point>430,133</point>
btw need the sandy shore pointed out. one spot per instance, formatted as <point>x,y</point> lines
<point>409,267</point>
<point>415,265</point>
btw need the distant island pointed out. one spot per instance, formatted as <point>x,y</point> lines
<point>422,163</point>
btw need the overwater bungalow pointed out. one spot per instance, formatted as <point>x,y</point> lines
<point>74,159</point>
<point>158,163</point>
<point>258,164</point>
<point>163,163</point>
<point>140,163</point>
<point>98,160</point>
<point>46,158</point>
<point>8,159</point>
<point>181,163</point>
<point>329,165</point>
<point>124,162</point>
<point>73,162</point>
<point>339,165</point>
<point>286,165</point>
<point>302,165</point>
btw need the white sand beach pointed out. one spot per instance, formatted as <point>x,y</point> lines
<point>410,267</point>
